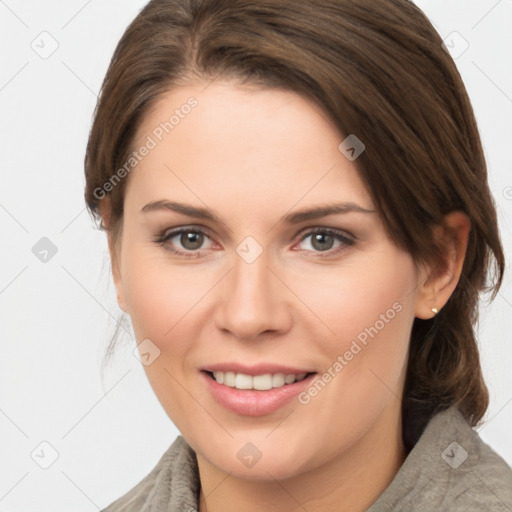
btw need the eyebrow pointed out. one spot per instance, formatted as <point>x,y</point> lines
<point>290,218</point>
<point>323,211</point>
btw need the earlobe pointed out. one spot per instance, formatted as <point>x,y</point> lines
<point>121,302</point>
<point>438,284</point>
<point>116,274</point>
<point>116,271</point>
<point>104,209</point>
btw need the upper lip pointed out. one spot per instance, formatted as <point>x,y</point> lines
<point>258,369</point>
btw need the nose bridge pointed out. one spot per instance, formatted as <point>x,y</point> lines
<point>250,280</point>
<point>251,303</point>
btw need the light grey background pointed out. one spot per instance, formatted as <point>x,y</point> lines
<point>57,316</point>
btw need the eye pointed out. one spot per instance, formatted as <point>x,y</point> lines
<point>324,240</point>
<point>190,242</point>
<point>184,241</point>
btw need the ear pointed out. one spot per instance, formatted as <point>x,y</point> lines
<point>113,240</point>
<point>437,284</point>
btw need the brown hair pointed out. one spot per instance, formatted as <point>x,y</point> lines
<point>378,70</point>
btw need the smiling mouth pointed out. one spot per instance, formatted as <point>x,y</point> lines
<point>262,382</point>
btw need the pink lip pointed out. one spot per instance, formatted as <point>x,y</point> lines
<point>259,369</point>
<point>252,402</point>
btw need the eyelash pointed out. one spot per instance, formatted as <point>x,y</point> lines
<point>340,236</point>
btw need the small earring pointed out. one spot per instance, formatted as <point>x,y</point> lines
<point>434,310</point>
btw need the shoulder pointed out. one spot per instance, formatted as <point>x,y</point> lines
<point>479,478</point>
<point>173,481</point>
<point>450,469</point>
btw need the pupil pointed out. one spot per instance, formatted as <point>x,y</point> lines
<point>322,242</point>
<point>191,240</point>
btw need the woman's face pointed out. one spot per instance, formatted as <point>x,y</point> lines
<point>250,248</point>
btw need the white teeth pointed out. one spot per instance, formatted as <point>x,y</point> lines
<point>277,380</point>
<point>259,382</point>
<point>243,381</point>
<point>229,379</point>
<point>289,379</point>
<point>262,382</point>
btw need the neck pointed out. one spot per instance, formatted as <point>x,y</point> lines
<point>350,481</point>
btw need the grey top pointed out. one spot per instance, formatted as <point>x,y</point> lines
<point>450,469</point>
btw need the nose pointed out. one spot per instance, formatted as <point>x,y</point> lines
<point>253,301</point>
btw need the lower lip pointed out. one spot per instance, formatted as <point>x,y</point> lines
<point>253,402</point>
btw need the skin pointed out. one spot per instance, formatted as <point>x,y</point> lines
<point>252,156</point>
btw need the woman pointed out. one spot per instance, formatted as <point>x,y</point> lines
<point>299,222</point>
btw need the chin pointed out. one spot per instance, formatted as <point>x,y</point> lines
<point>265,460</point>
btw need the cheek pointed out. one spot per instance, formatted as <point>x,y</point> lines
<point>164,302</point>
<point>365,360</point>
<point>160,296</point>
<point>361,300</point>
<point>372,318</point>
<point>366,314</point>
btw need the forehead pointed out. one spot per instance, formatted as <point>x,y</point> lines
<point>227,138</point>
